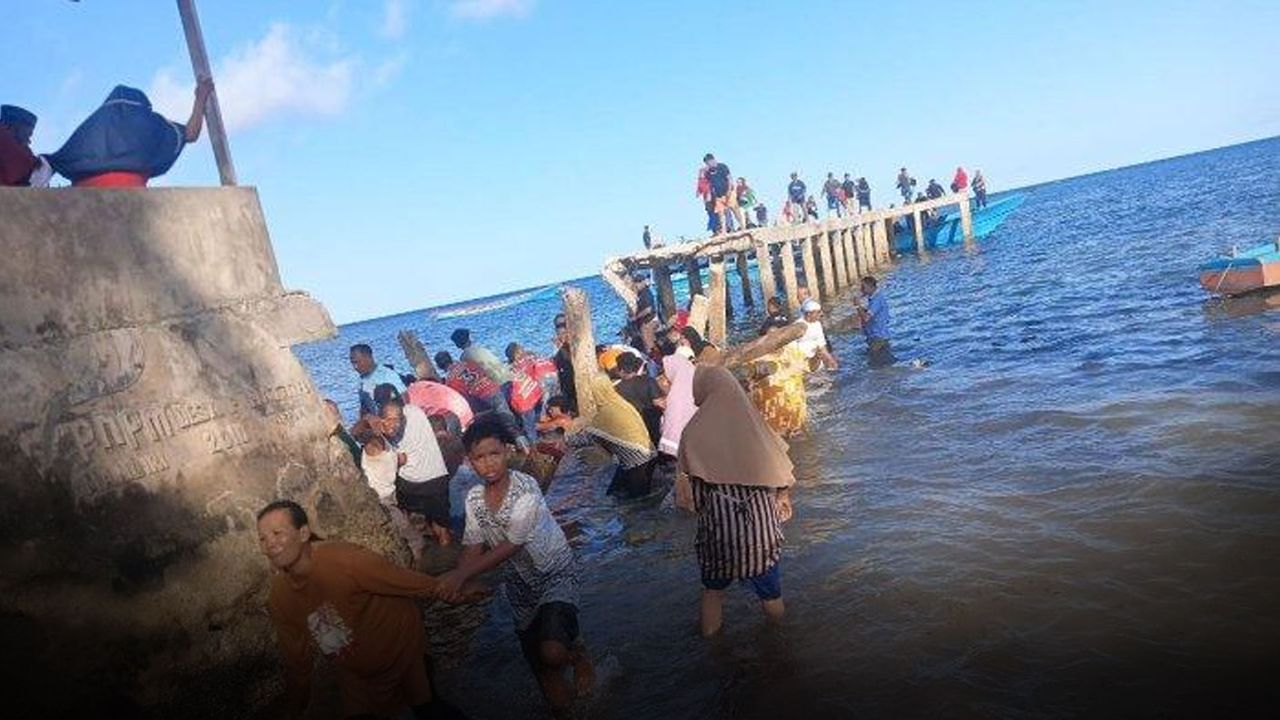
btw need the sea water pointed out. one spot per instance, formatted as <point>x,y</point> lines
<point>1071,509</point>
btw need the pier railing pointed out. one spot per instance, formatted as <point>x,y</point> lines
<point>834,253</point>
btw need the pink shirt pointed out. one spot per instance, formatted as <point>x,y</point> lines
<point>435,399</point>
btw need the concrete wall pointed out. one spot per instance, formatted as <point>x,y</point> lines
<point>149,405</point>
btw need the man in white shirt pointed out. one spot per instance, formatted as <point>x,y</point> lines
<point>814,341</point>
<point>422,481</point>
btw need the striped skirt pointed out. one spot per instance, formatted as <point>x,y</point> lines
<point>739,535</point>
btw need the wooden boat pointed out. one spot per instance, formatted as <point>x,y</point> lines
<point>1242,272</point>
<point>945,230</point>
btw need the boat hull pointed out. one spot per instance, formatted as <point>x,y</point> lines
<point>1255,269</point>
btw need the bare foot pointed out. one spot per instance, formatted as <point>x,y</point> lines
<point>584,673</point>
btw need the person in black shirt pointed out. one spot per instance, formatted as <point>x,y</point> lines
<point>778,318</point>
<point>564,365</point>
<point>721,181</point>
<point>796,192</point>
<point>643,393</point>
<point>644,321</point>
<point>648,239</point>
<point>864,194</point>
<point>850,189</point>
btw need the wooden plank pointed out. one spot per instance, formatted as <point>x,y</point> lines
<point>212,111</point>
<point>717,328</point>
<point>866,258</point>
<point>825,243</point>
<point>787,253</point>
<point>744,274</point>
<point>810,265</point>
<point>849,250</point>
<point>416,354</point>
<point>966,217</point>
<point>582,346</point>
<point>880,242</point>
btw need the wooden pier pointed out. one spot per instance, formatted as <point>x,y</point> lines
<point>834,254</point>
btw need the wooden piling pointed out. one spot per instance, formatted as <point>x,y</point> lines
<point>693,275</point>
<point>849,248</point>
<point>810,265</point>
<point>582,346</point>
<point>826,241</point>
<point>918,225</point>
<point>666,292</point>
<point>764,265</point>
<point>717,328</point>
<point>416,354</point>
<point>787,253</point>
<point>966,217</point>
<point>744,275</point>
<point>866,256</point>
<point>841,262</point>
<point>880,241</point>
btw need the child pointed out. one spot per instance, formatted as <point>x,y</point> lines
<point>508,524</point>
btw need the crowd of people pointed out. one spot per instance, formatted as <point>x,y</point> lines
<point>452,456</point>
<point>123,143</point>
<point>731,204</point>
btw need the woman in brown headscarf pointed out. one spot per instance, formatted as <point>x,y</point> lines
<point>735,474</point>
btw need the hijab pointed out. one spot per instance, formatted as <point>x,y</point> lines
<point>727,442</point>
<point>679,371</point>
<point>123,135</point>
<point>615,417</point>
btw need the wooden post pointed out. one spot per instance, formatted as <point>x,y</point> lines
<point>212,112</point>
<point>744,275</point>
<point>666,293</point>
<point>417,355</point>
<point>966,217</point>
<point>717,328</point>
<point>787,252</point>
<point>850,253</point>
<point>841,272</point>
<point>866,258</point>
<point>764,264</point>
<point>699,311</point>
<point>890,234</point>
<point>810,266</point>
<point>880,241</point>
<point>693,276</point>
<point>582,346</point>
<point>826,242</point>
<point>919,228</point>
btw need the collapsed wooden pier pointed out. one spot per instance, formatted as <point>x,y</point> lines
<point>834,254</point>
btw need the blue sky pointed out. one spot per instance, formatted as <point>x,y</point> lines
<point>415,152</point>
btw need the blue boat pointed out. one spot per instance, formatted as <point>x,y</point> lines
<point>1241,272</point>
<point>945,230</point>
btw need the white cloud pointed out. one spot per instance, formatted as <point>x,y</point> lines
<point>488,9</point>
<point>395,19</point>
<point>389,68</point>
<point>276,76</point>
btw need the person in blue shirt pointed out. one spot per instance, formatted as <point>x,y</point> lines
<point>874,314</point>
<point>371,376</point>
<point>796,193</point>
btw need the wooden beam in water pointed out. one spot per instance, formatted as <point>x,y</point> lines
<point>848,250</point>
<point>416,354</point>
<point>825,242</point>
<point>717,322</point>
<point>880,242</point>
<point>810,265</point>
<point>841,276</point>
<point>764,264</point>
<point>693,275</point>
<point>582,346</point>
<point>666,293</point>
<point>787,252</point>
<point>866,258</point>
<point>740,258</point>
<point>918,225</point>
<point>966,217</point>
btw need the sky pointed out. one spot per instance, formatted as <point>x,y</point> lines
<point>410,153</point>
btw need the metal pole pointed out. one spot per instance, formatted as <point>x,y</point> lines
<point>212,114</point>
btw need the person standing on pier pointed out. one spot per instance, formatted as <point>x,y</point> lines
<point>960,182</point>
<point>721,181</point>
<point>796,192</point>
<point>905,184</point>
<point>746,200</point>
<point>864,194</point>
<point>934,190</point>
<point>850,189</point>
<point>831,191</point>
<point>874,314</point>
<point>371,376</point>
<point>648,239</point>
<point>734,473</point>
<point>980,189</point>
<point>19,167</point>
